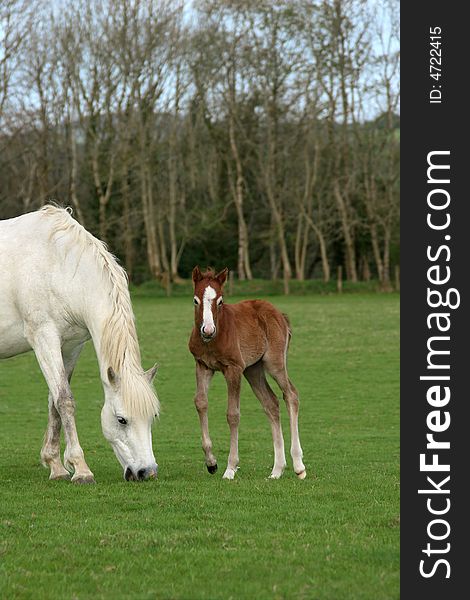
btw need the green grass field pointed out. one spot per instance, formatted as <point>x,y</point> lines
<point>190,535</point>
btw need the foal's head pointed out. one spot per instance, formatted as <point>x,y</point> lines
<point>208,300</point>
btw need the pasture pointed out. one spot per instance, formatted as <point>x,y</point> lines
<point>190,535</point>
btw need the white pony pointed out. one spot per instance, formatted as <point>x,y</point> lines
<point>59,286</point>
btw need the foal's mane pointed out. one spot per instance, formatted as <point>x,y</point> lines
<point>209,273</point>
<point>119,344</point>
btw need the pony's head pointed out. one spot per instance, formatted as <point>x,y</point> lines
<point>208,300</point>
<point>126,418</point>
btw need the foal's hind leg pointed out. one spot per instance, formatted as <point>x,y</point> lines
<point>269,401</point>
<point>50,452</point>
<point>276,367</point>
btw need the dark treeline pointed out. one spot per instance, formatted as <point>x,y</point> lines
<point>259,135</point>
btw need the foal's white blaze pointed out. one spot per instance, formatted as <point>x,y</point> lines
<point>208,325</point>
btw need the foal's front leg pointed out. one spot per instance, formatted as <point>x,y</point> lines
<point>203,379</point>
<point>233,377</point>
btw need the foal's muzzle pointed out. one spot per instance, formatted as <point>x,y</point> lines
<point>205,337</point>
<point>141,474</point>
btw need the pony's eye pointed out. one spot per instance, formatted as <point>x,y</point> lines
<point>196,301</point>
<point>220,300</point>
<point>122,420</point>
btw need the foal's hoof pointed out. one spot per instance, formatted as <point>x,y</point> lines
<point>84,480</point>
<point>229,474</point>
<point>302,475</point>
<point>277,471</point>
<point>212,468</point>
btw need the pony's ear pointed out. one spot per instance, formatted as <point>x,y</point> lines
<point>112,377</point>
<point>222,276</point>
<point>150,374</point>
<point>197,275</point>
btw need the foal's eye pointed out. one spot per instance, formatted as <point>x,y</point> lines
<point>220,300</point>
<point>122,420</point>
<point>196,301</point>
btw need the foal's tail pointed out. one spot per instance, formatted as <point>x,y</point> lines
<point>289,328</point>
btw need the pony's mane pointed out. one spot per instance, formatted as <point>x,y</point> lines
<point>119,344</point>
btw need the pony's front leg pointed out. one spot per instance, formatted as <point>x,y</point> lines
<point>74,458</point>
<point>50,452</point>
<point>203,379</point>
<point>47,347</point>
<point>233,377</point>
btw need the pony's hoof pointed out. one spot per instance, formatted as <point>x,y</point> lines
<point>302,475</point>
<point>212,468</point>
<point>64,477</point>
<point>88,479</point>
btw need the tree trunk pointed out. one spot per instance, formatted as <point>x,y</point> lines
<point>172,217</point>
<point>365,268</point>
<point>243,263</point>
<point>351,271</point>
<point>324,257</point>
<point>386,284</point>
<point>279,224</point>
<point>153,254</point>
<point>299,267</point>
<point>273,259</point>
<point>103,194</point>
<point>173,159</point>
<point>73,175</point>
<point>128,237</point>
<point>376,250</point>
<point>163,252</point>
<point>301,247</point>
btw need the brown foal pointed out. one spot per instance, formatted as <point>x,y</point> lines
<point>249,338</point>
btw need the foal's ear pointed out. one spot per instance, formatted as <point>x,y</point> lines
<point>150,374</point>
<point>222,276</point>
<point>197,275</point>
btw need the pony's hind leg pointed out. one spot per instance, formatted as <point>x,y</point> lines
<point>50,452</point>
<point>270,403</point>
<point>277,369</point>
<point>203,379</point>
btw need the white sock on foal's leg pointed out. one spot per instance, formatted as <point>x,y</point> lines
<point>279,454</point>
<point>296,449</point>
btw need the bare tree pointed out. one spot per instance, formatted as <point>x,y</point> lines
<point>15,21</point>
<point>264,135</point>
<point>223,30</point>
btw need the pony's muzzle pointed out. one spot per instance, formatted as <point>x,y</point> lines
<point>142,474</point>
